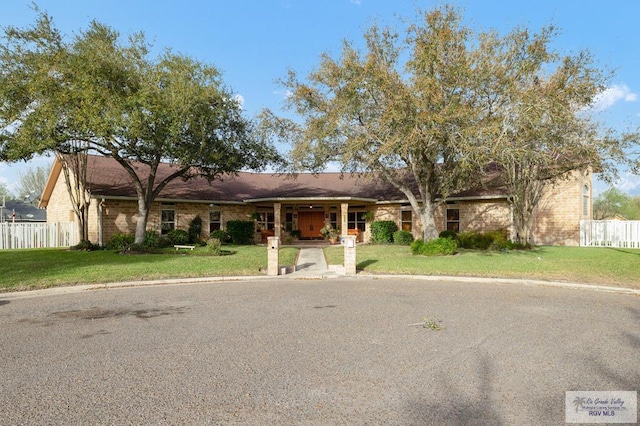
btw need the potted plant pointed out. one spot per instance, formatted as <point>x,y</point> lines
<point>329,233</point>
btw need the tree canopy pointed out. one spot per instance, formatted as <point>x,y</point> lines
<point>429,111</point>
<point>614,202</point>
<point>99,93</point>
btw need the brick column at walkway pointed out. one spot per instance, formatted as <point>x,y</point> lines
<point>350,255</point>
<point>273,251</point>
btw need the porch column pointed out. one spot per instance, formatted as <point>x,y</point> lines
<point>276,217</point>
<point>344,219</point>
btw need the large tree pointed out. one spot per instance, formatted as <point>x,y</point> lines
<point>544,131</point>
<point>429,112</point>
<point>407,111</point>
<point>97,93</point>
<point>32,183</point>
<point>615,202</point>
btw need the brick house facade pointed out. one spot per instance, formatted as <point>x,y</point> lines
<point>307,203</point>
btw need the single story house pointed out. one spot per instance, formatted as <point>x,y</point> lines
<point>18,211</point>
<point>281,204</point>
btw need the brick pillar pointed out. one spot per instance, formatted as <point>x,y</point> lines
<point>277,207</point>
<point>344,223</point>
<point>350,255</point>
<point>273,246</point>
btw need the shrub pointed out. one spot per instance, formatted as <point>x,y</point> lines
<point>195,230</point>
<point>494,240</point>
<point>402,238</point>
<point>382,231</point>
<point>449,234</point>
<point>152,239</point>
<point>85,245</point>
<point>213,245</point>
<point>120,241</point>
<point>178,236</point>
<point>222,235</point>
<point>241,231</point>
<point>436,247</point>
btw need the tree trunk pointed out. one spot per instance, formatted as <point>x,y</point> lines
<point>141,223</point>
<point>429,229</point>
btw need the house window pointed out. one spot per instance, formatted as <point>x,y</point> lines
<point>168,221</point>
<point>585,201</point>
<point>356,221</point>
<point>333,220</point>
<point>406,220</point>
<point>453,220</point>
<point>266,220</point>
<point>288,221</point>
<point>215,219</point>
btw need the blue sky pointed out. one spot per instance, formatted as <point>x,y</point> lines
<point>254,42</point>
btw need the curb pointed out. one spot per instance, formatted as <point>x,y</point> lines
<point>331,275</point>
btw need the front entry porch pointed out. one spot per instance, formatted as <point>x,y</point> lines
<point>304,219</point>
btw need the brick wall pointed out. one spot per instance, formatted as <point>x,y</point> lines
<point>556,220</point>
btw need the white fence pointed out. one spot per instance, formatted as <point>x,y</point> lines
<point>36,235</point>
<point>610,233</point>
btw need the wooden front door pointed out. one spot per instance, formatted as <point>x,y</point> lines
<point>310,223</point>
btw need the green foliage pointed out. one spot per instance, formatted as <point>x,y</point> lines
<point>195,230</point>
<point>178,236</point>
<point>615,202</point>
<point>435,247</point>
<point>419,95</point>
<point>221,235</point>
<point>116,99</point>
<point>213,245</point>
<point>152,239</point>
<point>491,240</point>
<point>382,231</point>
<point>120,241</point>
<point>296,233</point>
<point>448,234</point>
<point>403,238</point>
<point>241,231</point>
<point>85,245</point>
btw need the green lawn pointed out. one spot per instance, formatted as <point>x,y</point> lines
<point>41,268</point>
<point>605,266</point>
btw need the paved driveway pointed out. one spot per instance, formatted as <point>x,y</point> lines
<point>339,351</point>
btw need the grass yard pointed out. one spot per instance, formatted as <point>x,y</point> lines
<point>605,266</point>
<point>41,268</point>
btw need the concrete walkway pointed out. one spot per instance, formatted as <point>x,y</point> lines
<point>312,264</point>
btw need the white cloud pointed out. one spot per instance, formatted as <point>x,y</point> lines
<point>612,95</point>
<point>239,99</point>
<point>355,2</point>
<point>628,183</point>
<point>286,94</point>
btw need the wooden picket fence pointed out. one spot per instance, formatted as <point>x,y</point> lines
<point>610,233</point>
<point>21,235</point>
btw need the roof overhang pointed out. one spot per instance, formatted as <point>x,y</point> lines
<point>163,200</point>
<point>309,199</point>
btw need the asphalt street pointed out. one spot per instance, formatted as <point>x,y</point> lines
<point>330,351</point>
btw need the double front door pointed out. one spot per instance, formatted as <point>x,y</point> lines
<point>310,223</point>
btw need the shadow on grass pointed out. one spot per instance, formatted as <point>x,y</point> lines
<point>363,265</point>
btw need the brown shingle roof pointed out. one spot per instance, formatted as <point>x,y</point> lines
<point>107,178</point>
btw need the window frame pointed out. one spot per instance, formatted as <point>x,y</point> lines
<point>406,225</point>
<point>167,224</point>
<point>215,225</point>
<point>452,222</point>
